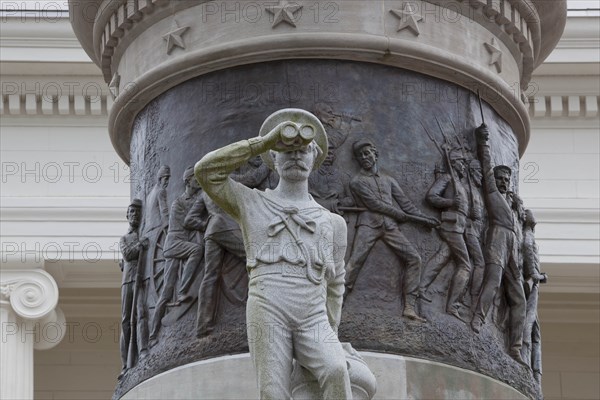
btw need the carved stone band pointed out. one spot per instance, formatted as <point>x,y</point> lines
<point>411,55</point>
<point>118,23</point>
<point>231,33</point>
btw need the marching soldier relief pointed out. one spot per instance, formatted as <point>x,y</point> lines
<point>480,237</point>
<point>450,195</point>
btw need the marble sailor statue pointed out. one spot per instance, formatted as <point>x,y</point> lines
<point>295,256</point>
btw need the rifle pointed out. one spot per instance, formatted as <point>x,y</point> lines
<point>460,142</point>
<point>137,290</point>
<point>481,108</point>
<point>437,146</point>
<point>347,116</point>
<point>447,156</point>
<point>409,217</point>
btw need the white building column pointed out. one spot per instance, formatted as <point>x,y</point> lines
<point>29,319</point>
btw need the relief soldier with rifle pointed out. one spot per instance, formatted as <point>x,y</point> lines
<point>501,251</point>
<point>384,205</point>
<point>450,194</point>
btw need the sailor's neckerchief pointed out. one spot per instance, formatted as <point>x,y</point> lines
<point>289,218</point>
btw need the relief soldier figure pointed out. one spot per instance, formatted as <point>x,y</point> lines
<point>450,194</point>
<point>295,251</point>
<point>131,245</point>
<point>179,249</point>
<point>156,208</point>
<point>532,339</point>
<point>501,253</point>
<point>155,220</point>
<point>384,205</point>
<point>475,226</point>
<point>337,126</point>
<point>329,186</point>
<point>222,234</point>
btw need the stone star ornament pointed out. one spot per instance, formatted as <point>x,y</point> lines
<point>175,37</point>
<point>284,12</point>
<point>495,54</point>
<point>409,19</point>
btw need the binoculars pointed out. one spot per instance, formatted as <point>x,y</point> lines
<point>296,134</point>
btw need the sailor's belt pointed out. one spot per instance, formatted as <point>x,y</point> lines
<point>283,269</point>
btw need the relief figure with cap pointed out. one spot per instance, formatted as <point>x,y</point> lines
<point>383,206</point>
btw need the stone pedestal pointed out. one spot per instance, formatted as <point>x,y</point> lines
<point>398,377</point>
<point>30,321</point>
<point>189,77</point>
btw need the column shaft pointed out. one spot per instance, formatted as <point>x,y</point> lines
<point>16,355</point>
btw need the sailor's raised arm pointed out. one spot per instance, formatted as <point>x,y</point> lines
<point>213,170</point>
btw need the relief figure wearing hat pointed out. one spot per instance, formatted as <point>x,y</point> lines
<point>295,255</point>
<point>384,206</point>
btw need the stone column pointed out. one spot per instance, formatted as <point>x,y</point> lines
<point>30,320</point>
<point>191,76</point>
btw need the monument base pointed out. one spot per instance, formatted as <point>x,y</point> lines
<point>398,377</point>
